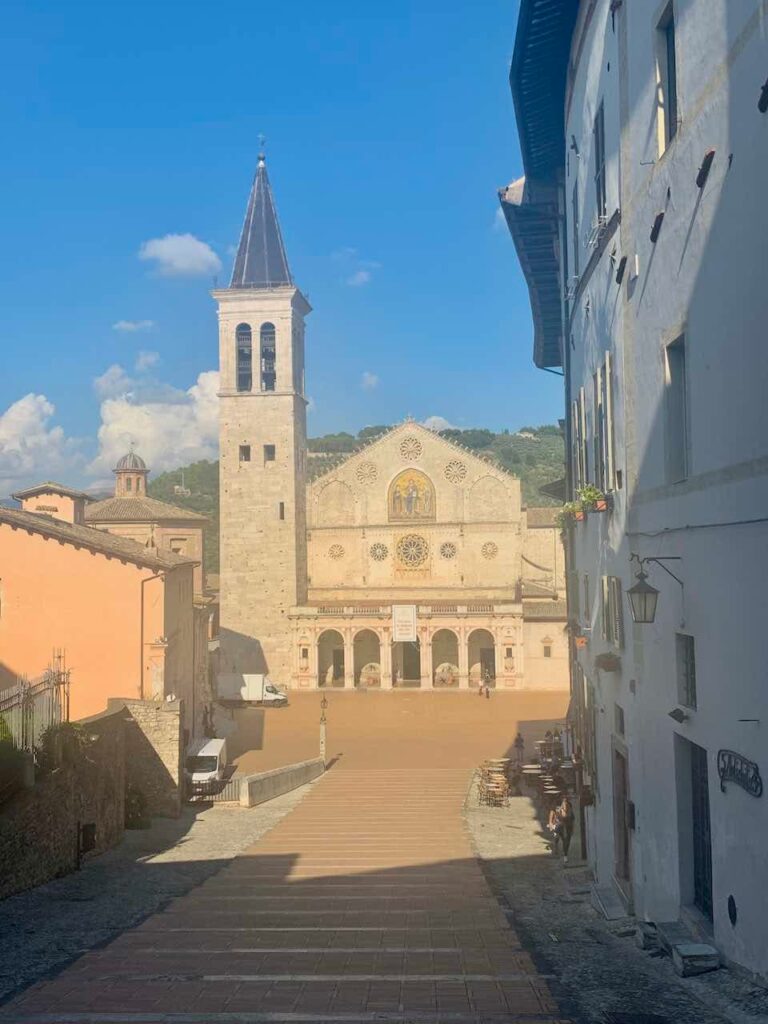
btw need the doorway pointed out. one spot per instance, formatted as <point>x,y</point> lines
<point>406,663</point>
<point>702,834</point>
<point>621,823</point>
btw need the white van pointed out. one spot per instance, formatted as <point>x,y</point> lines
<point>206,763</point>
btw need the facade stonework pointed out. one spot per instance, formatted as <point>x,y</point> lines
<point>310,574</point>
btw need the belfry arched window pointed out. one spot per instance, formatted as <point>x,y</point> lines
<point>268,363</point>
<point>244,344</point>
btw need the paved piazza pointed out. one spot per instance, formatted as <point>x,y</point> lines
<point>366,902</point>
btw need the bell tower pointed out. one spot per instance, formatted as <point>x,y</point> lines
<point>262,446</point>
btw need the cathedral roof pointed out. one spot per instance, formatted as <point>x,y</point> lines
<point>261,261</point>
<point>138,510</point>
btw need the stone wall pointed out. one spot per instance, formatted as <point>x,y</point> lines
<point>154,752</point>
<point>39,826</point>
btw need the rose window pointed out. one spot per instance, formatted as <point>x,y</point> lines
<point>412,550</point>
<point>379,552</point>
<point>489,549</point>
<point>366,473</point>
<point>336,551</point>
<point>448,550</point>
<point>410,448</point>
<point>455,471</point>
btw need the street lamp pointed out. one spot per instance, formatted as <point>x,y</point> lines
<point>643,597</point>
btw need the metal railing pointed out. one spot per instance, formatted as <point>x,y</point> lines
<point>32,706</point>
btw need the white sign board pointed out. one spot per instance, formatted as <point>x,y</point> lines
<point>403,623</point>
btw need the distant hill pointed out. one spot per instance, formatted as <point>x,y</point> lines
<point>534,454</point>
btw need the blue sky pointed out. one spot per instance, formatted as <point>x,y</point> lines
<point>389,128</point>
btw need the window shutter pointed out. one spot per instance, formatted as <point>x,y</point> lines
<point>617,610</point>
<point>604,607</point>
<point>610,461</point>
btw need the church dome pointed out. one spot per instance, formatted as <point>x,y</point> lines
<point>131,461</point>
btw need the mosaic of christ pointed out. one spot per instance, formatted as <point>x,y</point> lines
<point>411,496</point>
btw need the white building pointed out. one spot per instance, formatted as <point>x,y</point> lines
<point>642,226</point>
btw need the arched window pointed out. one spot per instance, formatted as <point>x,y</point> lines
<point>244,357</point>
<point>268,371</point>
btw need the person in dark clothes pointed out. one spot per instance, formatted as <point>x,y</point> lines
<point>519,747</point>
<point>566,819</point>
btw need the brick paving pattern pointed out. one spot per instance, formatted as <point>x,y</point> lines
<point>364,903</point>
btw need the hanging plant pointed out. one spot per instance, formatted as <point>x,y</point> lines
<point>565,516</point>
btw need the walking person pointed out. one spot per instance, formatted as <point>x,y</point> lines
<point>566,817</point>
<point>519,747</point>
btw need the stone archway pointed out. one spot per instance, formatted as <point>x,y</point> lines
<point>482,657</point>
<point>406,664</point>
<point>445,658</point>
<point>367,659</point>
<point>330,658</point>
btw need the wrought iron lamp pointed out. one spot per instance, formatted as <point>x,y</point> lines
<point>643,597</point>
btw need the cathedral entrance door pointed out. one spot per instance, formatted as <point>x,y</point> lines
<point>406,664</point>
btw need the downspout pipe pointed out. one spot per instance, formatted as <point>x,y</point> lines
<point>147,579</point>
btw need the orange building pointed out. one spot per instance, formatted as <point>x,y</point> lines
<point>123,612</point>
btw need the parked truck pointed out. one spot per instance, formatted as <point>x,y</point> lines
<point>251,688</point>
<point>205,765</point>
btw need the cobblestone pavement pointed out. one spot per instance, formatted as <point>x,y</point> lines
<point>366,903</point>
<point>602,976</point>
<point>46,928</point>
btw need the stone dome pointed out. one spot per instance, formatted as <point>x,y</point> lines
<point>131,461</point>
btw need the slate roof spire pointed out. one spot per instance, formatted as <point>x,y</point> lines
<point>261,261</point>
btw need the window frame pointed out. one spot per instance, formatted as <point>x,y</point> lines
<point>668,96</point>
<point>243,358</point>
<point>244,453</point>
<point>598,142</point>
<point>677,432</point>
<point>685,667</point>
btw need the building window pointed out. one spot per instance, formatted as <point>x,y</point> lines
<point>547,650</point>
<point>580,442</point>
<point>304,653</point>
<point>508,652</point>
<point>268,357</point>
<point>587,606</point>
<point>686,670</point>
<point>269,453</point>
<point>245,453</point>
<point>281,510</point>
<point>244,357</point>
<point>667,78</point>
<point>613,611</point>
<point>618,716</point>
<point>598,134</point>
<point>676,412</point>
<point>128,484</point>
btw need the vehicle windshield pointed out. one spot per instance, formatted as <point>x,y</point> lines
<point>202,764</point>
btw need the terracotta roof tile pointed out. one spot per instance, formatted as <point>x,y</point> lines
<point>137,510</point>
<point>95,540</point>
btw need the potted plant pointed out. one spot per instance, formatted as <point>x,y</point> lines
<point>608,661</point>
<point>593,499</point>
<point>568,513</point>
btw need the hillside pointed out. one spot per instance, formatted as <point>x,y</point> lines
<point>534,454</point>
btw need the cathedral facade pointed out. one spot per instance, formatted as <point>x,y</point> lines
<point>411,564</point>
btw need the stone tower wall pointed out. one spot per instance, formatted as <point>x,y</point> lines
<point>263,549</point>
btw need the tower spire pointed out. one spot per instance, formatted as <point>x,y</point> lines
<point>261,261</point>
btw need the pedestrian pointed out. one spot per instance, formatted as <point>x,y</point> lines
<point>555,828</point>
<point>519,747</point>
<point>566,818</point>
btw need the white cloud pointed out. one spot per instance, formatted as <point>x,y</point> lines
<point>133,325</point>
<point>114,381</point>
<point>360,277</point>
<point>146,360</point>
<point>437,423</point>
<point>31,450</point>
<point>170,427</point>
<point>357,272</point>
<point>369,381</point>
<point>180,256</point>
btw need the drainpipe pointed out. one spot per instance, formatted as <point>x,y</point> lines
<point>147,579</point>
